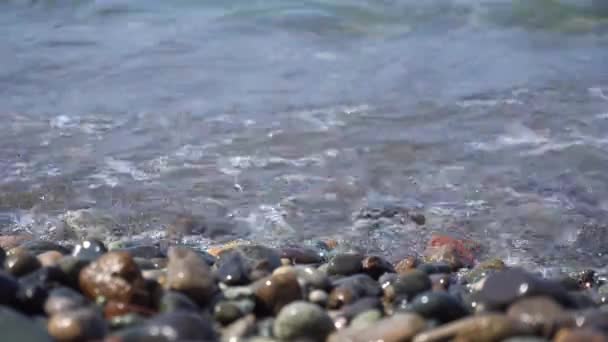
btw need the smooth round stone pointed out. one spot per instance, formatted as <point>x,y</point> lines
<point>176,326</point>
<point>407,286</point>
<point>347,290</point>
<point>71,267</point>
<point>434,268</point>
<point>63,299</point>
<point>318,297</point>
<point>486,327</point>
<point>579,335</point>
<point>82,324</point>
<point>14,326</point>
<point>232,268</point>
<point>503,288</point>
<point>226,312</point>
<point>375,266</point>
<point>439,306</point>
<point>90,249</point>
<point>302,320</point>
<point>302,255</point>
<point>261,260</point>
<point>406,265</point>
<point>20,262</point>
<point>345,264</point>
<point>172,301</point>
<point>49,258</point>
<point>188,273</point>
<point>366,319</point>
<point>8,288</point>
<point>274,292</point>
<point>578,280</point>
<point>311,278</point>
<point>240,329</point>
<point>364,304</point>
<point>397,328</point>
<point>36,247</point>
<point>114,276</point>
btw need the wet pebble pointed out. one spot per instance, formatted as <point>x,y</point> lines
<point>276,291</point>
<point>302,255</point>
<point>176,326</point>
<point>318,297</point>
<point>479,328</point>
<point>406,286</point>
<point>84,324</point>
<point>36,247</point>
<point>188,273</point>
<point>90,249</point>
<point>49,258</point>
<point>542,312</point>
<point>302,320</point>
<point>366,319</point>
<point>397,328</point>
<point>406,265</point>
<point>232,268</point>
<point>439,306</point>
<point>226,312</point>
<point>114,276</point>
<point>172,301</point>
<point>8,288</point>
<point>345,264</point>
<point>375,266</point>
<point>20,262</point>
<point>63,299</point>
<point>347,290</point>
<point>579,335</point>
<point>239,329</point>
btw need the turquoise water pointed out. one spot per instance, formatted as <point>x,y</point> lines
<point>279,120</point>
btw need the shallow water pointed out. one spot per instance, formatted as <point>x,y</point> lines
<point>280,120</point>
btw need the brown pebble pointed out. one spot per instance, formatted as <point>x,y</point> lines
<point>479,328</point>
<point>276,291</point>
<point>115,309</point>
<point>114,276</point>
<point>406,265</point>
<point>20,261</point>
<point>188,273</point>
<point>397,328</point>
<point>49,258</point>
<point>543,312</point>
<point>579,335</point>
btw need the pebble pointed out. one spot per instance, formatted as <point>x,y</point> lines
<point>239,329</point>
<point>397,328</point>
<point>188,273</point>
<point>36,247</point>
<point>542,312</point>
<point>579,335</point>
<point>276,291</point>
<point>375,266</point>
<point>361,305</point>
<point>90,249</point>
<point>366,319</point>
<point>345,264</point>
<point>479,328</point>
<point>232,268</point>
<point>302,320</point>
<point>172,301</point>
<point>8,242</point>
<point>15,326</point>
<point>318,297</point>
<point>406,286</point>
<point>49,258</point>
<point>503,288</point>
<point>406,265</point>
<point>8,288</point>
<point>84,324</point>
<point>114,276</point>
<point>20,262</point>
<point>302,255</point>
<point>311,278</point>
<point>347,290</point>
<point>252,263</point>
<point>439,306</point>
<point>63,299</point>
<point>226,312</point>
<point>175,326</point>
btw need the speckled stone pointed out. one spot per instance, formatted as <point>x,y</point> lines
<point>114,276</point>
<point>397,328</point>
<point>347,290</point>
<point>302,320</point>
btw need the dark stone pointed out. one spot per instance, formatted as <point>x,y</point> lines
<point>232,268</point>
<point>434,268</point>
<point>503,288</point>
<point>187,272</point>
<point>418,218</point>
<point>83,324</point>
<point>20,262</point>
<point>17,327</point>
<point>302,255</point>
<point>2,256</point>
<point>361,305</point>
<point>90,249</point>
<point>176,326</point>
<point>345,264</point>
<point>31,297</point>
<point>8,288</point>
<point>172,301</point>
<point>439,306</point>
<point>226,312</point>
<point>63,299</point>
<point>375,266</point>
<point>274,292</point>
<point>40,246</point>
<point>406,286</point>
<point>347,290</point>
<point>302,321</point>
<point>71,267</point>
